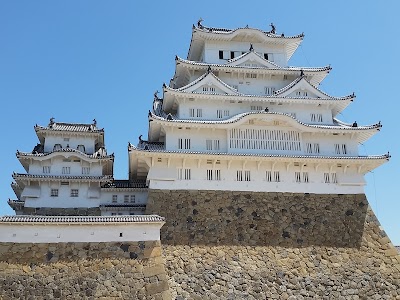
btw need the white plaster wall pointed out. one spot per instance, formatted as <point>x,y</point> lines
<point>211,50</point>
<point>64,199</point>
<point>74,141</point>
<point>64,233</point>
<point>57,163</point>
<point>210,107</point>
<point>258,181</point>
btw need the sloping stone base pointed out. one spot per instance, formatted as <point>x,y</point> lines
<point>133,270</point>
<point>241,245</point>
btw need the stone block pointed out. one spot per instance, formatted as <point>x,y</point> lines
<point>153,271</point>
<point>156,288</point>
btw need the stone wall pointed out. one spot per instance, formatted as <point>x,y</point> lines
<point>133,270</point>
<point>49,211</point>
<point>235,245</point>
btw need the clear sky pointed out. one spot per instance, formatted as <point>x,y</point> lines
<point>79,60</point>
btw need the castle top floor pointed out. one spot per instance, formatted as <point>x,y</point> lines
<point>57,136</point>
<point>219,45</point>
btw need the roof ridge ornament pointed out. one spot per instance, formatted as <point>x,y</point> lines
<point>94,122</point>
<point>199,23</point>
<point>156,95</point>
<point>209,69</point>
<point>251,49</point>
<point>273,28</point>
<point>301,73</point>
<point>51,122</point>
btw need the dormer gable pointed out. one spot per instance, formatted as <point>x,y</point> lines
<point>301,88</point>
<point>209,84</point>
<point>252,59</point>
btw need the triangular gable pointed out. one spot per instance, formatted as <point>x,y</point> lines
<point>208,84</point>
<point>301,88</point>
<point>251,59</point>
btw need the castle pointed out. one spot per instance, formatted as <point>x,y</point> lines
<point>243,150</point>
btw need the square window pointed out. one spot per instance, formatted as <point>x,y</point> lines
<point>74,192</point>
<point>54,193</point>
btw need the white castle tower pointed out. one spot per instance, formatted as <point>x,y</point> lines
<point>70,173</point>
<point>235,116</point>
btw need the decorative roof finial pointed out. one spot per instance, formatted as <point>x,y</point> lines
<point>355,124</point>
<point>273,28</point>
<point>266,109</point>
<point>251,48</point>
<point>51,121</point>
<point>199,23</point>
<point>301,73</point>
<point>209,69</point>
<point>140,139</point>
<point>156,95</point>
<point>94,122</point>
<point>169,117</point>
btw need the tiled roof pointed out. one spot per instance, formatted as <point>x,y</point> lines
<point>125,184</point>
<point>369,157</point>
<point>62,177</point>
<point>234,119</point>
<point>297,69</point>
<point>234,91</point>
<point>151,145</point>
<point>16,204</point>
<point>123,205</point>
<point>66,150</point>
<point>228,31</point>
<point>75,127</point>
<point>82,219</point>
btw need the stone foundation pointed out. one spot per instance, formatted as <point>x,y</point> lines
<point>133,270</point>
<point>242,245</point>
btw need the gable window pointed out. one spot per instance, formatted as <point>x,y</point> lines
<point>57,147</point>
<point>316,118</point>
<point>74,192</point>
<point>81,148</point>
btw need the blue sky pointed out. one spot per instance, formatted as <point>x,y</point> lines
<point>79,60</point>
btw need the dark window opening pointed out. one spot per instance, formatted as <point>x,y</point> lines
<point>266,56</point>
<point>221,54</point>
<point>232,54</point>
<point>120,234</point>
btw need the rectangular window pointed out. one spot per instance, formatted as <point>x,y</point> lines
<point>305,177</point>
<point>183,143</point>
<point>221,54</point>
<point>255,107</point>
<point>269,90</point>
<point>334,177</point>
<point>114,198</point>
<point>212,144</point>
<point>268,176</point>
<point>316,148</point>
<point>46,169</point>
<point>85,170</point>
<point>326,178</point>
<point>266,56</point>
<point>251,75</point>
<point>226,113</point>
<point>66,170</point>
<point>126,198</point>
<point>74,192</point>
<point>209,144</point>
<point>54,193</point>
<point>316,118</point>
<point>216,144</point>
<point>340,149</point>
<point>277,177</point>
<point>344,150</point>
<point>195,113</point>
<point>312,148</point>
<point>308,148</point>
<point>239,175</point>
<point>232,54</point>
<point>246,175</point>
<point>191,112</point>
<point>184,174</point>
<point>297,176</point>
<point>209,174</point>
<point>217,174</point>
<point>219,113</point>
<point>133,199</point>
